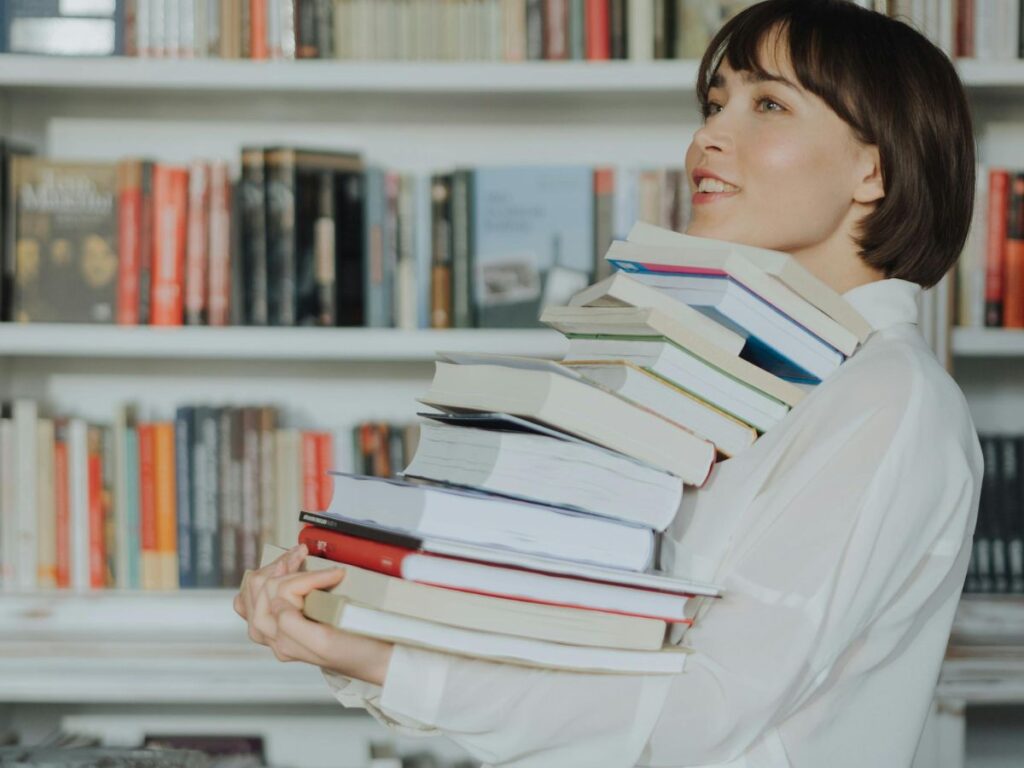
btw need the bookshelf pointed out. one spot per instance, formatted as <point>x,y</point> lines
<point>413,116</point>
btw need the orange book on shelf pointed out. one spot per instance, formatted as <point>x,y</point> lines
<point>97,541</point>
<point>324,464</point>
<point>129,248</point>
<point>149,565</point>
<point>62,503</point>
<point>170,206</point>
<point>258,29</point>
<point>310,482</point>
<point>995,248</point>
<point>597,26</point>
<point>1013,278</point>
<point>165,505</point>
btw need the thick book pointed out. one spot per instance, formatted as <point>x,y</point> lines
<point>793,277</point>
<point>653,580</point>
<point>336,611</point>
<point>556,398</point>
<point>623,290</point>
<point>623,323</point>
<point>494,580</point>
<point>486,613</point>
<point>641,386</point>
<point>547,470</point>
<point>728,293</point>
<point>490,521</point>
<point>65,241</point>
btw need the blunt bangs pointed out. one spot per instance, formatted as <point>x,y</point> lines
<point>896,91</point>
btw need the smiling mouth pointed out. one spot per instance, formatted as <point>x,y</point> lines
<point>709,185</point>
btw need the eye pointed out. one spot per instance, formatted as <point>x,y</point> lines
<point>770,102</point>
<point>710,108</point>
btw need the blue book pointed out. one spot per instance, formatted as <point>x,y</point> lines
<point>134,540</point>
<point>774,341</point>
<point>532,240</point>
<point>184,481</point>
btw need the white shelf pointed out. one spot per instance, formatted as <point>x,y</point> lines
<point>988,342</point>
<point>268,343</point>
<point>329,76</point>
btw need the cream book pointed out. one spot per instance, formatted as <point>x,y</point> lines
<point>788,276</point>
<point>336,611</point>
<point>576,407</point>
<point>621,290</point>
<point>484,613</point>
<point>624,322</point>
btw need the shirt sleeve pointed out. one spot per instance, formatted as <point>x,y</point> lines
<point>825,545</point>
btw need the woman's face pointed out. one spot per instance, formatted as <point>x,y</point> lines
<point>793,167</point>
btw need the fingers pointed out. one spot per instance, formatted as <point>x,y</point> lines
<point>294,588</point>
<point>298,638</point>
<point>259,587</point>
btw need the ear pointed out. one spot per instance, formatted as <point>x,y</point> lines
<point>869,188</point>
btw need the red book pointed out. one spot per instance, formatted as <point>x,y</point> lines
<point>147,506</point>
<point>258,29</point>
<point>196,245</point>
<point>97,538</point>
<point>129,247</point>
<point>170,204</point>
<point>1013,284</point>
<point>965,29</point>
<point>493,581</point>
<point>597,30</point>
<point>310,481</point>
<point>324,464</point>
<point>219,299</point>
<point>995,249</point>
<point>62,503</point>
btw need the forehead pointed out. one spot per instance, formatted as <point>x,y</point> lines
<point>772,63</point>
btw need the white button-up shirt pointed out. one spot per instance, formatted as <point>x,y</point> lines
<point>841,539</point>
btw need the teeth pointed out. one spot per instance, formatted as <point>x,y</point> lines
<point>707,184</point>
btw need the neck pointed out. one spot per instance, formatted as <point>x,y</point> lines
<point>839,271</point>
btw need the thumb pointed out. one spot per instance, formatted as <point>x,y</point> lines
<point>303,583</point>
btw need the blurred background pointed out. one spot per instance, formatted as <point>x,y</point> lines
<point>235,233</point>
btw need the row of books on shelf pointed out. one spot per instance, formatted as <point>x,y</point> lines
<point>447,30</point>
<point>525,528</point>
<point>306,237</point>
<point>997,558</point>
<point>990,273</point>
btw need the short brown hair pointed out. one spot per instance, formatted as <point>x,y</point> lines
<point>897,91</point>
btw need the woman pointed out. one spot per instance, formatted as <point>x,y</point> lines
<point>841,537</point>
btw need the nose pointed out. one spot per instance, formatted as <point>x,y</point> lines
<point>712,135</point>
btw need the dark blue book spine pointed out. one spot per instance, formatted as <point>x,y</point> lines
<point>207,523</point>
<point>184,429</point>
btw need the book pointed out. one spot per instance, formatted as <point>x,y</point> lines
<point>497,581</point>
<point>733,293</point>
<point>653,580</point>
<point>623,290</point>
<point>490,521</point>
<point>556,398</point>
<point>641,386</point>
<point>781,266</point>
<point>63,29</point>
<point>995,250</point>
<point>351,617</point>
<point>531,237</point>
<point>547,470</point>
<point>499,615</point>
<point>170,212</point>
<point>1013,294</point>
<point>623,323</point>
<point>65,241</point>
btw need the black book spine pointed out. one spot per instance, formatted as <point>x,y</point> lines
<point>206,542</point>
<point>671,30</point>
<point>350,295</point>
<point>254,237</point>
<point>226,527</point>
<point>237,286</point>
<point>280,170</point>
<point>440,251</point>
<point>184,480</point>
<point>323,304</point>
<point>1016,550</point>
<point>535,30</point>
<point>384,536</point>
<point>1004,513</point>
<point>619,31</point>
<point>1011,515</point>
<point>305,30</point>
<point>146,242</point>
<point>986,513</point>
<point>462,285</point>
<point>324,28</point>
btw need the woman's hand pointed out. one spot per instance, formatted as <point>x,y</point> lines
<point>270,600</point>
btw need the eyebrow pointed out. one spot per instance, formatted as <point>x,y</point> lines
<point>718,80</point>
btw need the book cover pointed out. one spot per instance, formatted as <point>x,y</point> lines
<point>65,231</point>
<point>532,240</point>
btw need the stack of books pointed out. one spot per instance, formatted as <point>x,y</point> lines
<point>525,528</point>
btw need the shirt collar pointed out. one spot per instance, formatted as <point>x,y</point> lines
<point>884,303</point>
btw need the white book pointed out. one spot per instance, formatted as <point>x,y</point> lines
<point>781,266</point>
<point>490,521</point>
<point>25,417</point>
<point>8,509</point>
<point>405,630</point>
<point>46,507</point>
<point>547,470</point>
<point>640,29</point>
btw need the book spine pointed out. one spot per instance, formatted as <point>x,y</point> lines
<point>219,299</point>
<point>995,253</point>
<point>324,464</point>
<point>78,492</point>
<point>373,271</point>
<point>534,30</point>
<point>166,496</point>
<point>197,244</point>
<point>281,207</point>
<point>46,509</point>
<point>350,266</point>
<point>556,30</point>
<point>129,226</point>
<point>268,478</point>
<point>441,252</point>
<point>306,30</point>
<point>97,550</point>
<point>390,243</point>
<point>254,237</point>
<point>258,29</point>
<point>325,253</point>
<point>361,553</point>
<point>207,494</point>
<point>146,236</point>
<point>149,571</point>
<point>310,481</point>
<point>232,529</point>
<point>324,28</point>
<point>184,484</point>
<point>250,461</point>
<point>133,511</point>
<point>111,548</point>
<point>1016,548</point>
<point>62,501</point>
<point>1010,506</point>
<point>618,31</point>
<point>170,203</point>
<point>597,26</point>
<point>463,298</point>
<point>25,431</point>
<point>1013,299</point>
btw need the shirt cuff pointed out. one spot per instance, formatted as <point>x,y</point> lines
<point>415,683</point>
<point>358,694</point>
